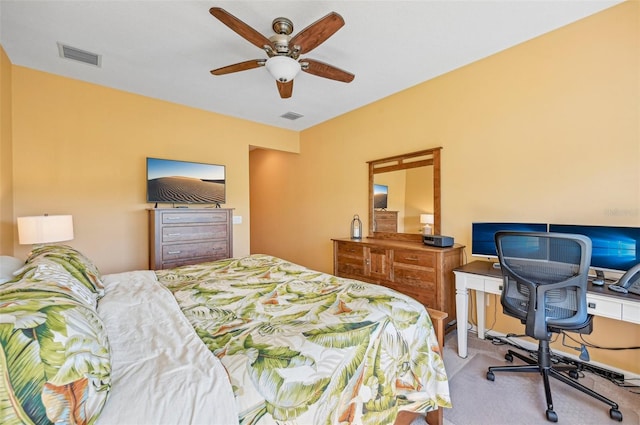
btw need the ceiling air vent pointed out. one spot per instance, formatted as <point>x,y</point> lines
<point>79,55</point>
<point>291,116</point>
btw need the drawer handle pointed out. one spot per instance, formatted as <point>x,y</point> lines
<point>411,258</point>
<point>173,234</point>
<point>175,252</point>
<point>173,218</point>
<point>591,305</point>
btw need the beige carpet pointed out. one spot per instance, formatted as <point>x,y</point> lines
<point>518,398</point>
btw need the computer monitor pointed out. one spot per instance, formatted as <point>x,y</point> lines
<point>482,236</point>
<point>613,248</point>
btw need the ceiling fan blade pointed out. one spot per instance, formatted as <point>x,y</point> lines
<point>285,89</point>
<point>236,67</point>
<point>316,33</point>
<point>324,70</point>
<point>242,29</point>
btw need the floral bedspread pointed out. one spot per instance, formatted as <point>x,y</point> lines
<point>306,347</point>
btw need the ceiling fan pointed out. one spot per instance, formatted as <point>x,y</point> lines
<point>284,51</point>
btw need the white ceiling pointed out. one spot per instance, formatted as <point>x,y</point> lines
<point>165,49</point>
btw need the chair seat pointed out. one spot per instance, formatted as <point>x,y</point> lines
<point>583,328</point>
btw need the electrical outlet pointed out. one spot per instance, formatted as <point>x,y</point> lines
<point>237,219</point>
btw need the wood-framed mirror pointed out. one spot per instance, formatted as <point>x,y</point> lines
<point>401,189</point>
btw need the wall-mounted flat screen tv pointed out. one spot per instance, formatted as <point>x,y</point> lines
<point>184,182</point>
<point>380,193</point>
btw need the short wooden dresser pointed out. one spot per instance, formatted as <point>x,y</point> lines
<point>424,273</point>
<point>181,236</point>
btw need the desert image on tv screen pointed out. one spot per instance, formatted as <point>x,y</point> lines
<point>185,182</point>
<point>380,196</point>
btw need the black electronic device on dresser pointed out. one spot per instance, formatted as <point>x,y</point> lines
<point>437,240</point>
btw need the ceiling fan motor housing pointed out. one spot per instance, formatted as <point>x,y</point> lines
<point>282,26</point>
<point>280,43</point>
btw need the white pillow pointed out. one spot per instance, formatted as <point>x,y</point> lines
<point>8,265</point>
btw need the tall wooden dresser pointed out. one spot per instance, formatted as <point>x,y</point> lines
<point>385,221</point>
<point>181,236</point>
<point>424,273</point>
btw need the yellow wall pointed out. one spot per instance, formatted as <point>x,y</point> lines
<point>6,158</point>
<point>546,131</point>
<point>80,149</point>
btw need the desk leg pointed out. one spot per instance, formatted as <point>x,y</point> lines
<point>462,315</point>
<point>480,307</point>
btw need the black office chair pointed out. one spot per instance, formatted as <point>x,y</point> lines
<point>545,286</point>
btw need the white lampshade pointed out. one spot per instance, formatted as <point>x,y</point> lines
<point>44,229</point>
<point>426,218</point>
<point>283,68</point>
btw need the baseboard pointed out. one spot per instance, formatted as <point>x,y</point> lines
<point>529,345</point>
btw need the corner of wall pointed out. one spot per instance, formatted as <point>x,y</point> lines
<point>6,157</point>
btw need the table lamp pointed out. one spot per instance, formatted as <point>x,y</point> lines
<point>427,220</point>
<point>42,229</point>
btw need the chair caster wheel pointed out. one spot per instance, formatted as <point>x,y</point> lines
<point>574,374</point>
<point>615,414</point>
<point>552,416</point>
<point>492,377</point>
<point>508,357</point>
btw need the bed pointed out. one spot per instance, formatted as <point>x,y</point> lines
<point>252,340</point>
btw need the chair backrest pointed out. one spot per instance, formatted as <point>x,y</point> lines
<point>545,279</point>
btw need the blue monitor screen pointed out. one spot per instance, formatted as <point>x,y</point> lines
<point>613,248</point>
<point>482,235</point>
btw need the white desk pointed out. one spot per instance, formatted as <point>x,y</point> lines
<point>484,279</point>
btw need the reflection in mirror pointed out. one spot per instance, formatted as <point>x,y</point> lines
<point>401,188</point>
<point>409,194</point>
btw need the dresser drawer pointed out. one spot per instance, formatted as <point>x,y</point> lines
<point>192,217</point>
<point>423,296</point>
<point>193,233</point>
<point>631,313</point>
<point>350,266</point>
<point>210,250</point>
<point>414,258</point>
<point>600,306</point>
<point>417,278</point>
<point>346,250</point>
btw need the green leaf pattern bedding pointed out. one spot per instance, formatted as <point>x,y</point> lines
<point>54,353</point>
<point>306,347</point>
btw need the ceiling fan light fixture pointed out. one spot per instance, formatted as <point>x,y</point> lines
<point>282,68</point>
